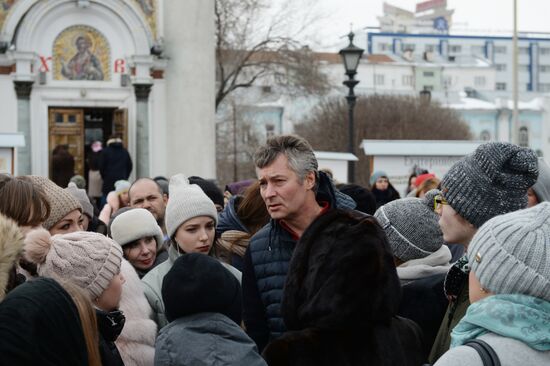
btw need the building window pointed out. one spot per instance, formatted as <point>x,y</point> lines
<point>500,49</point>
<point>428,87</point>
<point>478,50</point>
<point>544,87</point>
<point>500,67</point>
<point>408,47</point>
<point>544,50</point>
<point>479,81</point>
<point>523,68</point>
<point>428,74</point>
<point>407,80</point>
<point>430,48</point>
<point>455,49</point>
<point>266,89</point>
<point>544,68</point>
<point>485,135</point>
<point>500,86</point>
<point>523,137</point>
<point>523,50</point>
<point>378,79</point>
<point>382,47</point>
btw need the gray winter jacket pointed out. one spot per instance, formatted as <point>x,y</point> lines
<point>511,352</point>
<point>205,339</point>
<point>152,284</point>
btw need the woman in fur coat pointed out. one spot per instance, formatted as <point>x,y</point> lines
<point>136,342</point>
<point>341,298</point>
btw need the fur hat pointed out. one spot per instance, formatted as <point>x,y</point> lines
<point>510,254</point>
<point>11,247</point>
<point>61,201</point>
<point>341,276</point>
<point>198,283</point>
<point>542,186</point>
<point>82,197</point>
<point>135,224</point>
<point>88,259</point>
<point>121,186</point>
<point>186,202</point>
<point>491,181</point>
<point>411,226</point>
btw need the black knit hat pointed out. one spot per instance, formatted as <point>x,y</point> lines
<point>365,199</point>
<point>210,188</point>
<point>491,181</point>
<point>197,283</point>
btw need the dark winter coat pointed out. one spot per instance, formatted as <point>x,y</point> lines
<point>228,218</point>
<point>109,326</point>
<point>62,166</point>
<point>115,164</point>
<point>265,267</point>
<point>341,297</point>
<point>383,197</point>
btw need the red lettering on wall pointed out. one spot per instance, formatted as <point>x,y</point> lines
<point>44,63</point>
<point>120,65</point>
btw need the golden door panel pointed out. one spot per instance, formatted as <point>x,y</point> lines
<point>66,127</point>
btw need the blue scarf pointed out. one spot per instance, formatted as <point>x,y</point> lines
<point>520,317</point>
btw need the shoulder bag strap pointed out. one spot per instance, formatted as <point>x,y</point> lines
<point>485,351</point>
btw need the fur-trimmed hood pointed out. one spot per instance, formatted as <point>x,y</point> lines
<point>11,247</point>
<point>341,275</point>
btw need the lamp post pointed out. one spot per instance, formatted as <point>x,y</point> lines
<point>351,55</point>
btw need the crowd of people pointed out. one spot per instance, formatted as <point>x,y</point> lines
<point>288,268</point>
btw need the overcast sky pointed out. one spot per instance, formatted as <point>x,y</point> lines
<point>483,15</point>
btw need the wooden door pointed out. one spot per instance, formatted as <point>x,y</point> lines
<point>66,127</point>
<point>120,125</point>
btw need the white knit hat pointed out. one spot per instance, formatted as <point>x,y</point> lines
<point>135,224</point>
<point>88,259</point>
<point>510,254</point>
<point>186,202</point>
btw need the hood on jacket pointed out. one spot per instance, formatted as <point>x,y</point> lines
<point>328,193</point>
<point>228,218</point>
<point>11,247</point>
<point>211,339</point>
<point>341,275</point>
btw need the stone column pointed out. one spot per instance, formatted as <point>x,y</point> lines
<point>23,90</point>
<point>142,130</point>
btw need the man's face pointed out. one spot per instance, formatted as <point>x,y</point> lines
<point>455,229</point>
<point>145,194</point>
<point>283,193</point>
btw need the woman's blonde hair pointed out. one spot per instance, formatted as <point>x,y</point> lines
<point>88,321</point>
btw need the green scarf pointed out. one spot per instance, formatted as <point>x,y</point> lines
<point>520,317</point>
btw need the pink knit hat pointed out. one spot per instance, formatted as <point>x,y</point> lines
<point>88,259</point>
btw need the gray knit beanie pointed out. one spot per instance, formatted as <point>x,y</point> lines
<point>411,226</point>
<point>542,186</point>
<point>491,181</point>
<point>88,259</point>
<point>135,224</point>
<point>510,254</point>
<point>82,197</point>
<point>186,202</point>
<point>61,201</point>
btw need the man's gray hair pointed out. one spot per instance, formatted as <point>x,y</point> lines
<point>297,150</point>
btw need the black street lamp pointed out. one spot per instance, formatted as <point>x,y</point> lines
<point>351,55</point>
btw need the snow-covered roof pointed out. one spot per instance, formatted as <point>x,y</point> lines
<point>419,147</point>
<point>330,155</point>
<point>12,140</point>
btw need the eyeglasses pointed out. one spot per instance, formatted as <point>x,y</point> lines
<point>439,201</point>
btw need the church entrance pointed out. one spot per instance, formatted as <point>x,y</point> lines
<point>72,131</point>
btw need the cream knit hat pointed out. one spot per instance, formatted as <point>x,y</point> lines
<point>135,224</point>
<point>61,201</point>
<point>88,259</point>
<point>186,202</point>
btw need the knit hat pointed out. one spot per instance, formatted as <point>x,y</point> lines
<point>377,174</point>
<point>510,254</point>
<point>82,197</point>
<point>88,259</point>
<point>491,181</point>
<point>198,283</point>
<point>186,202</point>
<point>135,224</point>
<point>365,199</point>
<point>542,186</point>
<point>422,177</point>
<point>79,181</point>
<point>210,188</point>
<point>61,201</point>
<point>122,186</point>
<point>411,226</point>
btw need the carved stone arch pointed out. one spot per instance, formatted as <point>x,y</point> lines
<point>20,27</point>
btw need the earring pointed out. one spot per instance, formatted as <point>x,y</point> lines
<point>483,290</point>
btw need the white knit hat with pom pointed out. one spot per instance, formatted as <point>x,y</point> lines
<point>88,259</point>
<point>186,202</point>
